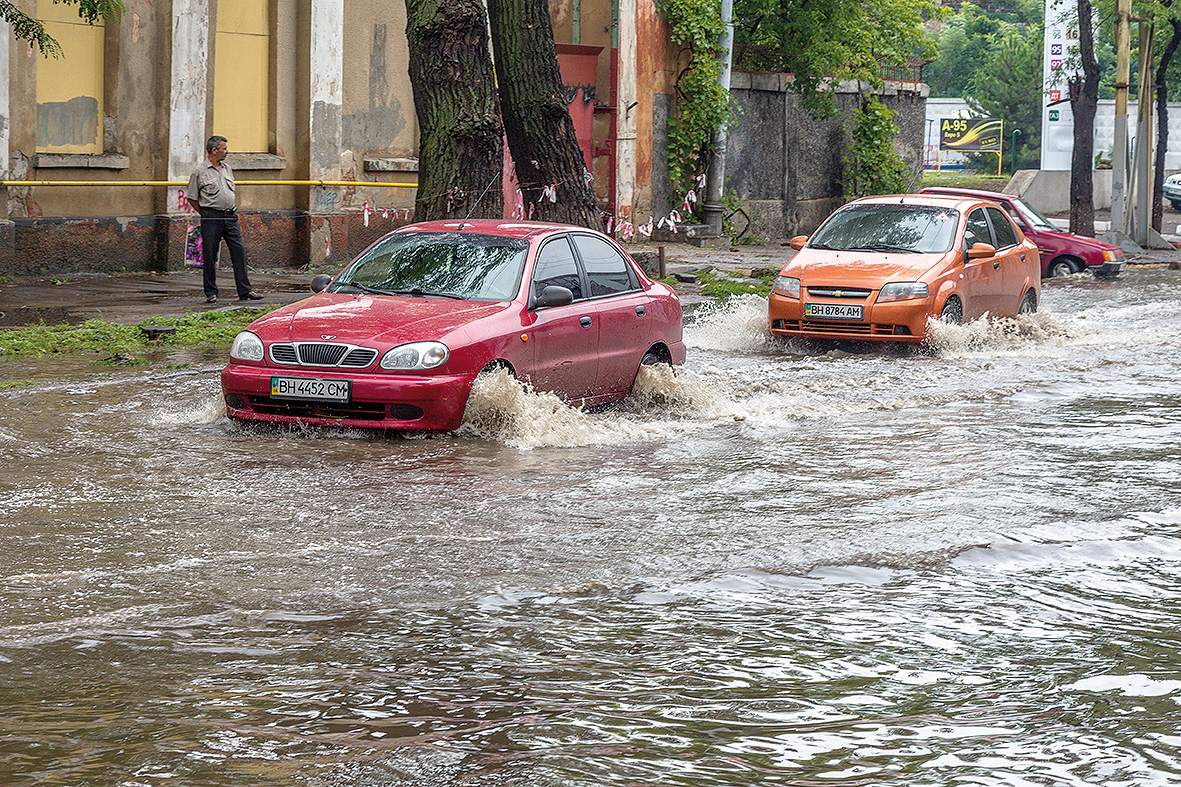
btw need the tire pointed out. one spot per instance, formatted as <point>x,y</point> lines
<point>953,312</point>
<point>650,359</point>
<point>1028,303</point>
<point>1061,267</point>
<point>1176,203</point>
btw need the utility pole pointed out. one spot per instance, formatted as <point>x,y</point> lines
<point>1119,153</point>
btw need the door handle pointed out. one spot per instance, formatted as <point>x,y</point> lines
<point>586,322</point>
<point>640,310</point>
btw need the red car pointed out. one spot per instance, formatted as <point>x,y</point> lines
<point>1062,253</point>
<point>397,338</point>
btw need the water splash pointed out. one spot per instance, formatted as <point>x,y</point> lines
<point>736,324</point>
<point>664,401</point>
<point>1024,332</point>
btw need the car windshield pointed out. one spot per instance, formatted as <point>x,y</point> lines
<point>1035,220</point>
<point>898,228</point>
<point>443,264</point>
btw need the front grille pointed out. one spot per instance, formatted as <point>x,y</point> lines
<point>323,354</point>
<point>844,293</point>
<point>358,411</point>
<point>852,329</point>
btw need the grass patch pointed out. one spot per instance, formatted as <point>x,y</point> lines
<point>964,179</point>
<point>720,286</point>
<point>207,329</point>
<point>15,384</point>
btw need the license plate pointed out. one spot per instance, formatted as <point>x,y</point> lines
<point>311,388</point>
<point>832,311</point>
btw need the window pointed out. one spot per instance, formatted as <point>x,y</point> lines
<point>70,88</point>
<point>977,229</point>
<point>242,75</point>
<point>606,270</point>
<point>556,267</point>
<point>1002,229</point>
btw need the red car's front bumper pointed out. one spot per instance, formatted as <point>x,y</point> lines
<point>420,403</point>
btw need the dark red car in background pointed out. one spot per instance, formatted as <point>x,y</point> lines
<point>1062,252</point>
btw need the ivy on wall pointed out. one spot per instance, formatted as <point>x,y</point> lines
<point>702,104</point>
<point>872,166</point>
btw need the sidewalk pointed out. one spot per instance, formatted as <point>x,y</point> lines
<point>132,298</point>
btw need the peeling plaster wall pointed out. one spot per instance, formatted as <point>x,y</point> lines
<point>5,37</point>
<point>187,94</point>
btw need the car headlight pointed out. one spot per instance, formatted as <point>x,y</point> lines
<point>246,347</point>
<point>1111,255</point>
<point>419,355</point>
<point>903,291</point>
<point>786,285</point>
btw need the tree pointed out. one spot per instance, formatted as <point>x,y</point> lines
<point>1162,115</point>
<point>26,28</point>
<point>460,132</point>
<point>1083,91</point>
<point>819,40</point>
<point>550,168</point>
<point>1009,86</point>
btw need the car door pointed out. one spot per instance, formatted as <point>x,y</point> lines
<point>1011,259</point>
<point>620,306</point>
<point>565,338</point>
<point>981,281</point>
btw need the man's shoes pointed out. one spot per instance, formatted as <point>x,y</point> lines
<point>250,296</point>
<point>211,299</point>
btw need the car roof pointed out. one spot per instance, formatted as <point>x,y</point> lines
<point>502,227</point>
<point>920,199</point>
<point>995,196</point>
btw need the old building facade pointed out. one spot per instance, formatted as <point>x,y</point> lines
<point>315,99</point>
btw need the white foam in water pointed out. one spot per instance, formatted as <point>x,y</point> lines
<point>664,401</point>
<point>739,323</point>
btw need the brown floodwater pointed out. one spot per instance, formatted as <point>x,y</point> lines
<point>785,563</point>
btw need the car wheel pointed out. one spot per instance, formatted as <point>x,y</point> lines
<point>953,312</point>
<point>1176,204</point>
<point>1028,303</point>
<point>1061,267</point>
<point>650,359</point>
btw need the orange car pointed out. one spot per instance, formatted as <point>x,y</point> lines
<point>880,267</point>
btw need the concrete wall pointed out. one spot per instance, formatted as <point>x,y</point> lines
<point>787,167</point>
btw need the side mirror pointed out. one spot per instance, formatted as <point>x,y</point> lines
<point>553,296</point>
<point>320,282</point>
<point>798,242</point>
<point>980,251</point>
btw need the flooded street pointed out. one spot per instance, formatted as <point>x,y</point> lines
<point>782,564</point>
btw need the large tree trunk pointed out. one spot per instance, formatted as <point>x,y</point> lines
<point>537,123</point>
<point>1084,102</point>
<point>461,140</point>
<point>1162,125</point>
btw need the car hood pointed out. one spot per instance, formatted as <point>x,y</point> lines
<point>1074,240</point>
<point>858,268</point>
<point>370,319</point>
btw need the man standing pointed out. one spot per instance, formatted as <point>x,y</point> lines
<point>211,193</point>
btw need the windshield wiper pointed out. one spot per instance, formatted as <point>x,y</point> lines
<point>418,292</point>
<point>365,288</point>
<point>884,247</point>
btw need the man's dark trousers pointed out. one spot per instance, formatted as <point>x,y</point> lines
<point>216,225</point>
